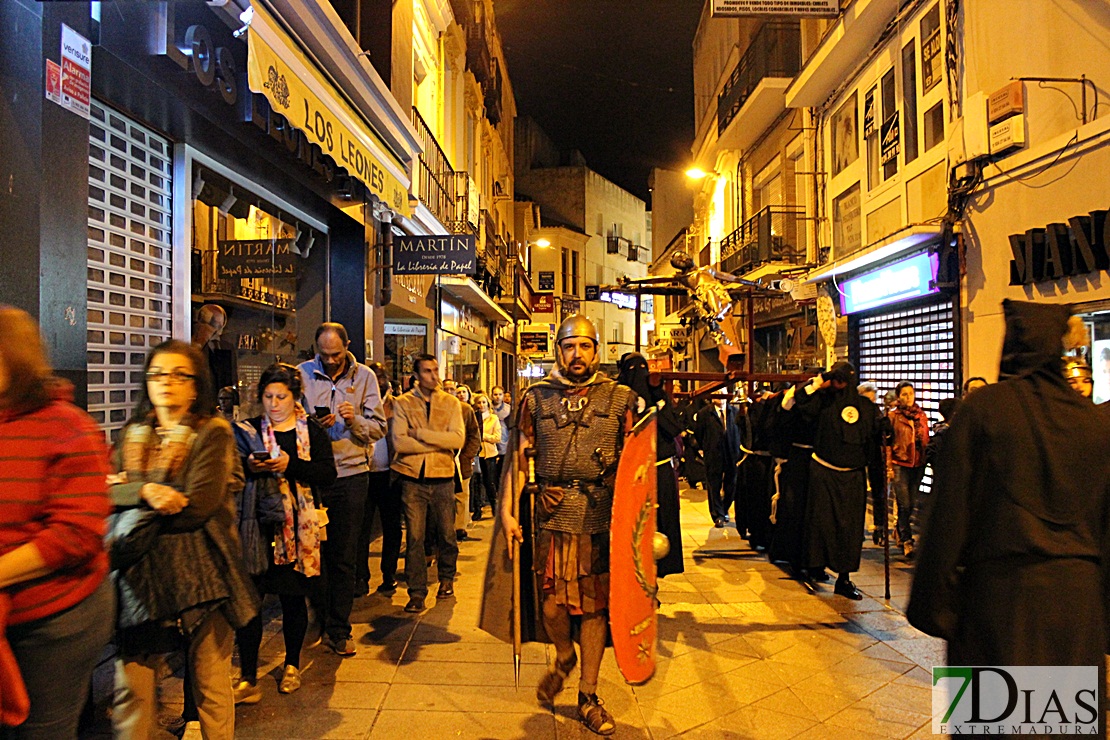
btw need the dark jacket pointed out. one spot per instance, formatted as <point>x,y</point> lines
<point>718,442</point>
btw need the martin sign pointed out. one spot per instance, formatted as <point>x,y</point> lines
<point>1080,246</point>
<point>240,259</point>
<point>451,254</point>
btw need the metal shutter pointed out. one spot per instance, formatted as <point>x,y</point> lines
<point>916,344</point>
<point>129,256</point>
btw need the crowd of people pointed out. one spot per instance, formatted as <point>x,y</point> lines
<point>167,543</point>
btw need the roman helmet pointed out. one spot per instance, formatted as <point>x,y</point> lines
<point>578,326</point>
<point>1079,375</point>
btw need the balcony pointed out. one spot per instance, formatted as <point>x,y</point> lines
<point>478,58</point>
<point>777,234</point>
<point>491,93</point>
<point>437,179</point>
<point>755,91</point>
<point>617,245</point>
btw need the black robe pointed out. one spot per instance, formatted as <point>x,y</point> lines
<point>1013,558</point>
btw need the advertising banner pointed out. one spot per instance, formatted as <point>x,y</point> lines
<point>76,82</point>
<point>734,8</point>
<point>543,303</point>
<point>547,280</point>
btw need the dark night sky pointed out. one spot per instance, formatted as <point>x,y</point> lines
<point>611,78</point>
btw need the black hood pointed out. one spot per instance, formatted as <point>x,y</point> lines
<point>634,373</point>
<point>1034,337</point>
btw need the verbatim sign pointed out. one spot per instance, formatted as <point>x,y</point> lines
<point>734,8</point>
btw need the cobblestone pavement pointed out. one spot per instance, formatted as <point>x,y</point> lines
<point>745,652</point>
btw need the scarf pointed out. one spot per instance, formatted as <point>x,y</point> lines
<point>156,454</point>
<point>297,539</point>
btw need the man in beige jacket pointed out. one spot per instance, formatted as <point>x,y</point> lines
<point>428,432</point>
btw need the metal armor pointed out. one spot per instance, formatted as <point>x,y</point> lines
<point>578,441</point>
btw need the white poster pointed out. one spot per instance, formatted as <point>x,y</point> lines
<point>1100,365</point>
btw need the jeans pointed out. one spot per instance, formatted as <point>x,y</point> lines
<point>423,502</point>
<point>384,497</point>
<point>906,485</point>
<point>490,481</point>
<point>135,709</point>
<point>57,655</point>
<point>346,504</point>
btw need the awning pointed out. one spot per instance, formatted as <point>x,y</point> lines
<point>897,243</point>
<point>469,292</point>
<point>295,88</point>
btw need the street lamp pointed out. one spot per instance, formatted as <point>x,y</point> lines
<point>696,173</point>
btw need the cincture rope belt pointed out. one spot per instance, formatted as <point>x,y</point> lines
<point>746,451</point>
<point>830,466</point>
<point>668,461</point>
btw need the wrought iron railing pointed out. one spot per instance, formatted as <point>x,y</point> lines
<point>774,51</point>
<point>775,234</point>
<point>437,178</point>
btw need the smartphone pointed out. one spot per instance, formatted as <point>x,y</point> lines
<point>262,456</point>
<point>322,411</point>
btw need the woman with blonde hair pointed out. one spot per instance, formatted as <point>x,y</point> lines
<point>174,550</point>
<point>491,436</point>
<point>54,600</point>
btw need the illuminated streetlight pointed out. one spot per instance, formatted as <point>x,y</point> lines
<point>696,173</point>
<point>541,242</point>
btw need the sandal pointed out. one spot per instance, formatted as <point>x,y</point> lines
<point>552,683</point>
<point>595,716</point>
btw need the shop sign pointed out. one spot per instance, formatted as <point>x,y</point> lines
<point>547,280</point>
<point>909,278</point>
<point>449,254</point>
<point>1080,246</point>
<point>411,330</point>
<point>535,343</point>
<point>543,303</point>
<point>570,307</point>
<point>76,77</point>
<point>294,87</point>
<point>737,8</point>
<point>242,259</point>
<point>620,300</point>
<point>890,140</point>
<point>593,292</point>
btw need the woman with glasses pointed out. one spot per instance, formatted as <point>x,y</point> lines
<point>54,600</point>
<point>172,542</point>
<point>287,456</point>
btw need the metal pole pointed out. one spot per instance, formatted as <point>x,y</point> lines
<point>515,508</point>
<point>637,320</point>
<point>886,527</point>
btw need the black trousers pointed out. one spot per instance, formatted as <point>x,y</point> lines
<point>718,485</point>
<point>346,504</point>
<point>383,498</point>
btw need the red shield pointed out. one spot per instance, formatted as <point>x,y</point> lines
<point>632,584</point>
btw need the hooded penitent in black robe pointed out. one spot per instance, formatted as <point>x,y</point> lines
<point>755,483</point>
<point>794,438</point>
<point>1012,564</point>
<point>669,425</point>
<point>848,437</point>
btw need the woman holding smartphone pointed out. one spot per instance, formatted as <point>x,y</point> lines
<point>287,456</point>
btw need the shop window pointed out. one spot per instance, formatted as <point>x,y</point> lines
<point>845,135</point>
<point>574,272</point>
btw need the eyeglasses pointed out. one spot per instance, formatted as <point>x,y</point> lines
<point>174,377</point>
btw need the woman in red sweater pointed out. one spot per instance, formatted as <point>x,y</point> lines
<point>53,507</point>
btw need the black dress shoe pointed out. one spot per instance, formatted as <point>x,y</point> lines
<point>718,523</point>
<point>848,590</point>
<point>446,590</point>
<point>416,604</point>
<point>461,535</point>
<point>819,575</point>
<point>387,588</point>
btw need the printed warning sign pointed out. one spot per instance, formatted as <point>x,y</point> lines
<point>53,81</point>
<point>76,71</point>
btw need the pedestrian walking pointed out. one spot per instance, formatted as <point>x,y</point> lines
<point>288,459</point>
<point>910,427</point>
<point>384,499</point>
<point>491,437</point>
<point>1018,527</point>
<point>56,608</point>
<point>180,579</point>
<point>504,411</point>
<point>575,419</point>
<point>344,396</point>
<point>428,432</point>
